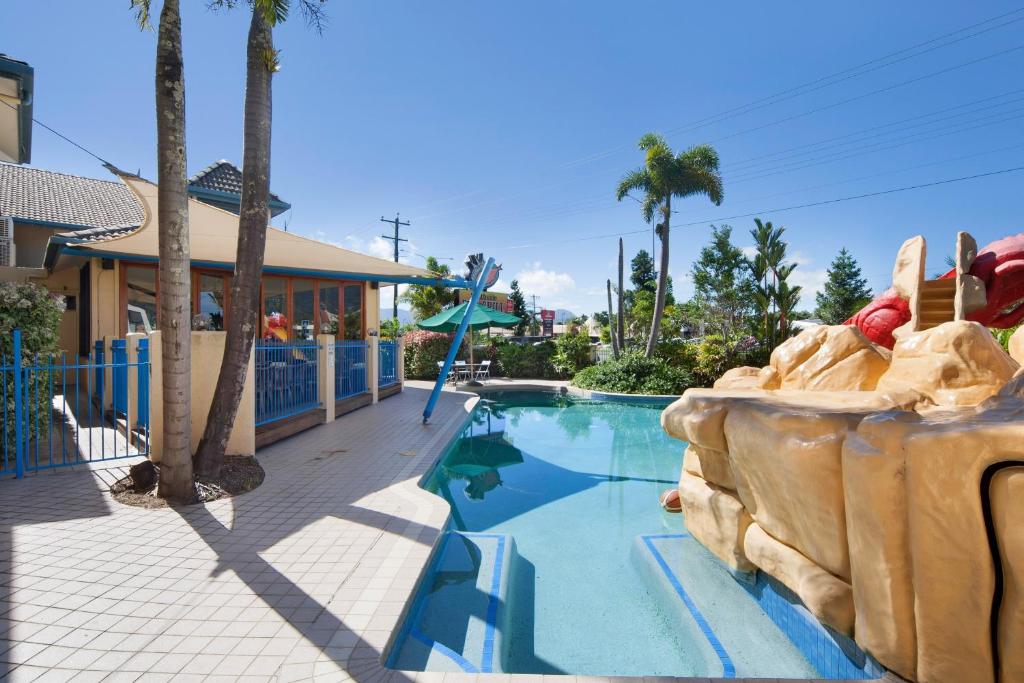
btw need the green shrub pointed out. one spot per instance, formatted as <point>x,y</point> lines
<point>423,351</point>
<point>633,373</point>
<point>572,353</point>
<point>37,313</point>
<point>532,361</point>
<point>1003,336</point>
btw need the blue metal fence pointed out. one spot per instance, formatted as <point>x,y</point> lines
<point>350,368</point>
<point>287,381</point>
<point>58,413</point>
<point>388,366</point>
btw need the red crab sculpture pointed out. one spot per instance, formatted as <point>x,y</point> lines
<point>1000,266</point>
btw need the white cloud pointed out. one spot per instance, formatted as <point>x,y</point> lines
<point>535,280</point>
<point>749,252</point>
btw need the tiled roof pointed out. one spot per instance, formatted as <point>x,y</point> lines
<point>37,195</point>
<point>87,235</point>
<point>222,176</point>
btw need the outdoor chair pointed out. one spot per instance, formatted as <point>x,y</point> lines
<point>462,371</point>
<point>484,371</point>
<point>451,373</point>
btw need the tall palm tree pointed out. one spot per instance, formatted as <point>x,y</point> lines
<point>665,175</point>
<point>261,64</point>
<point>172,235</point>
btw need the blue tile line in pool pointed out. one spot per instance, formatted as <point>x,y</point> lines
<point>487,655</point>
<point>728,669</point>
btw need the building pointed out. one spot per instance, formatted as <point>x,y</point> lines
<point>95,242</point>
<point>16,87</point>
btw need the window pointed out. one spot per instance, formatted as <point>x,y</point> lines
<point>140,296</point>
<point>275,308</point>
<point>211,301</point>
<point>353,312</point>
<point>327,316</point>
<point>303,311</point>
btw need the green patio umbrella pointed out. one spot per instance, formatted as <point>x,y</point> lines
<point>448,321</point>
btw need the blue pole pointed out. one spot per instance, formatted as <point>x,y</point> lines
<point>19,407</point>
<point>459,334</point>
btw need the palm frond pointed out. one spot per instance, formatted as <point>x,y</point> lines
<point>639,179</point>
<point>650,205</point>
<point>650,141</point>
<point>141,9</point>
<point>274,11</point>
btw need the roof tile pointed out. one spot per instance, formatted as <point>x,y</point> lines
<point>38,195</point>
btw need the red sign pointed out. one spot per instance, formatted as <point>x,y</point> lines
<point>547,319</point>
<point>510,306</point>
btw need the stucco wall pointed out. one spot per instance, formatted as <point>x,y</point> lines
<point>30,244</point>
<point>207,352</point>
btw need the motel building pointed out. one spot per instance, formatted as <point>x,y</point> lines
<point>94,242</point>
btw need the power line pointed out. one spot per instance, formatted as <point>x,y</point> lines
<point>772,99</point>
<point>63,137</point>
<point>846,74</point>
<point>786,208</point>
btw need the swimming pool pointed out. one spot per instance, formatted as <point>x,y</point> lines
<point>558,559</point>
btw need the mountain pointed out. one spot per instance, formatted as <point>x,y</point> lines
<point>404,315</point>
<point>563,316</point>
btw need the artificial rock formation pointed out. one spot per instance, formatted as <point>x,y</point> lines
<point>871,504</point>
<point>826,358</point>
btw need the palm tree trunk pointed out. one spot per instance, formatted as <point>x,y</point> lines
<point>252,238</point>
<point>611,323</point>
<point>659,296</point>
<point>172,218</point>
<point>621,320</point>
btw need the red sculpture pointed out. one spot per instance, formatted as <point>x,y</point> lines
<point>1000,266</point>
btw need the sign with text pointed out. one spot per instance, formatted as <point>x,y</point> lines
<point>547,319</point>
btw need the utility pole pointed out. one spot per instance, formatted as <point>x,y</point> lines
<point>396,240</point>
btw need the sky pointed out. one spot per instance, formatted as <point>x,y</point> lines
<point>504,128</point>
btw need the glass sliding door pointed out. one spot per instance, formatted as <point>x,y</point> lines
<point>303,309</point>
<point>140,296</point>
<point>275,308</point>
<point>327,316</point>
<point>353,315</point>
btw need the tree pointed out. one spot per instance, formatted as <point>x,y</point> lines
<point>666,175</point>
<point>642,275</point>
<point>775,299</point>
<point>845,293</point>
<point>173,248</point>
<point>428,300</point>
<point>723,290</point>
<point>515,295</point>
<point>620,332</point>
<point>611,327</point>
<point>243,312</point>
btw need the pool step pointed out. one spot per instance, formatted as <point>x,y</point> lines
<point>750,623</point>
<point>458,620</point>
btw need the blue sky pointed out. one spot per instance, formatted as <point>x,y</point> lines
<point>504,127</point>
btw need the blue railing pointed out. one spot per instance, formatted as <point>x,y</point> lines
<point>350,368</point>
<point>286,379</point>
<point>387,373</point>
<point>58,413</point>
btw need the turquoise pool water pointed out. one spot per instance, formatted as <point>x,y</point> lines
<point>559,558</point>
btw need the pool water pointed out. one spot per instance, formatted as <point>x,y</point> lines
<point>559,559</point>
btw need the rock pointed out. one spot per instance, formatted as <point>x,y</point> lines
<point>956,364</point>
<point>828,598</point>
<point>738,378</point>
<point>1016,345</point>
<point>144,476</point>
<point>908,272</point>
<point>966,252</point>
<point>826,358</point>
<point>715,518</point>
<point>970,296</point>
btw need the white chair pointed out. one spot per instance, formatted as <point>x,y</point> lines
<point>451,373</point>
<point>461,370</point>
<point>484,371</point>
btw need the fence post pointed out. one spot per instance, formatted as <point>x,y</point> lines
<point>100,371</point>
<point>373,367</point>
<point>142,393</point>
<point>325,366</point>
<point>19,408</point>
<point>119,388</point>
<point>156,396</point>
<point>400,360</point>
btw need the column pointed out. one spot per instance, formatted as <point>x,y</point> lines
<point>325,369</point>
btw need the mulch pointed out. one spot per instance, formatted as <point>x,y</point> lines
<point>239,474</point>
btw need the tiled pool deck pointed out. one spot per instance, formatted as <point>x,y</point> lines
<point>303,579</point>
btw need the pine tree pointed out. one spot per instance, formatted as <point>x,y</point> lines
<point>519,307</point>
<point>846,292</point>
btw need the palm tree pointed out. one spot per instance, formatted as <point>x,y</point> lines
<point>261,63</point>
<point>172,234</point>
<point>663,176</point>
